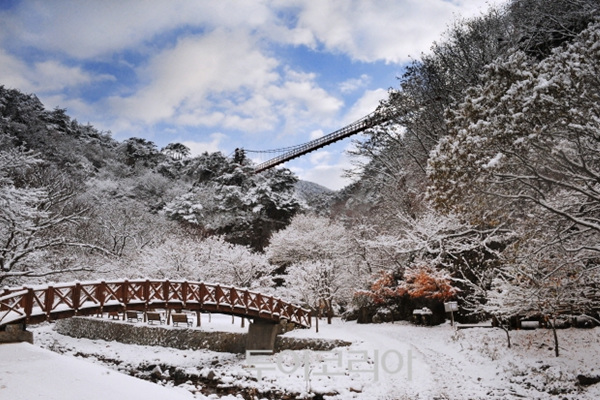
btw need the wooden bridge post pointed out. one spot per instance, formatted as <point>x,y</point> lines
<point>232,297</point>
<point>165,290</point>
<point>5,292</point>
<point>76,297</point>
<point>49,301</point>
<point>124,292</point>
<point>100,295</point>
<point>15,333</point>
<point>146,291</point>
<point>166,286</point>
<point>28,304</point>
<point>184,293</point>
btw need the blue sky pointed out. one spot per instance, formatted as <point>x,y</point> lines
<point>221,74</point>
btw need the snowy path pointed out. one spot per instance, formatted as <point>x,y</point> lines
<point>427,375</point>
<point>402,370</point>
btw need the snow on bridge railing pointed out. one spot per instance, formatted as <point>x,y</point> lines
<point>40,303</point>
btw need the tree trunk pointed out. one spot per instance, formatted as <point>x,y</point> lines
<point>506,329</point>
<point>553,323</point>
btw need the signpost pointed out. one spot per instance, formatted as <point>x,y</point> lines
<point>450,307</point>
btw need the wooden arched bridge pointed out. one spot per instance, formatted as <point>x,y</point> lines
<point>29,305</point>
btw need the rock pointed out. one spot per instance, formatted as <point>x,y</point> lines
<point>350,315</point>
<point>156,373</point>
<point>587,380</point>
<point>211,375</point>
<point>179,376</point>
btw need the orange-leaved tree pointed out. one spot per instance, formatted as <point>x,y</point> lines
<point>426,282</point>
<point>382,291</point>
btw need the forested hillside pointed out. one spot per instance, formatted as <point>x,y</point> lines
<point>490,173</point>
<point>485,188</point>
<point>73,199</point>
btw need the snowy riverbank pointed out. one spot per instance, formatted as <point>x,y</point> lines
<point>387,361</point>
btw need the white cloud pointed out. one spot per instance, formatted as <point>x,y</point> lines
<point>224,79</point>
<point>197,148</point>
<point>351,85</point>
<point>365,105</point>
<point>329,176</point>
<point>372,30</point>
<point>52,76</point>
<point>316,134</point>
<point>14,72</point>
<point>180,81</point>
<point>389,30</point>
<point>89,29</point>
<point>45,76</point>
<point>300,100</point>
<point>320,157</point>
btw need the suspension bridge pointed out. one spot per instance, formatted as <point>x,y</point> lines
<point>375,118</point>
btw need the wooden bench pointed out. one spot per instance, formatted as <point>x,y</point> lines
<point>132,316</point>
<point>154,317</point>
<point>181,318</point>
<point>114,315</point>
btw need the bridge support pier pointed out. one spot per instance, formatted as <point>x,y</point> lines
<point>261,335</point>
<point>15,333</point>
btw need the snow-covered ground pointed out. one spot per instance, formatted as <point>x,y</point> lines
<point>386,361</point>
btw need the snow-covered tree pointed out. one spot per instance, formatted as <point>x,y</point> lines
<point>312,238</point>
<point>230,200</point>
<point>527,137</point>
<point>319,284</point>
<point>177,151</point>
<point>235,265</point>
<point>443,243</point>
<point>312,244</point>
<point>545,285</point>
<point>36,221</point>
<point>524,154</point>
<point>139,151</point>
<point>538,26</point>
<point>181,257</point>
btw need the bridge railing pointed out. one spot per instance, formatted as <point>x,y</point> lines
<point>369,121</point>
<point>36,304</point>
